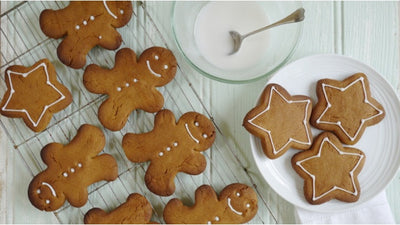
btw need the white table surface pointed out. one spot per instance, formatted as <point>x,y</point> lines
<point>367,31</point>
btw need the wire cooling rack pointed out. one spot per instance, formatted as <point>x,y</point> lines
<point>23,43</point>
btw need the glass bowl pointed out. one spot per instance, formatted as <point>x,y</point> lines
<point>266,52</point>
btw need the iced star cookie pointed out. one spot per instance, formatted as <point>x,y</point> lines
<point>34,94</point>
<point>136,210</point>
<point>71,169</point>
<point>346,107</point>
<point>83,25</point>
<point>131,84</point>
<point>281,121</point>
<point>237,203</point>
<point>329,170</point>
<point>171,147</point>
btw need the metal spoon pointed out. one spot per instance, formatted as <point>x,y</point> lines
<point>295,17</point>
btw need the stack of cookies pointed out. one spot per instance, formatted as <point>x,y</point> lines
<point>34,94</point>
<point>343,111</point>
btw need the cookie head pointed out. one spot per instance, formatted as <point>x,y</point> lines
<point>120,11</point>
<point>43,195</point>
<point>160,63</point>
<point>199,128</point>
<point>241,200</point>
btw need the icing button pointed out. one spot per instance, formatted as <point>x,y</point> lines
<point>91,17</point>
<point>175,144</point>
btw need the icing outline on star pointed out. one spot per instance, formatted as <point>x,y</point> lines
<point>12,91</point>
<point>273,89</point>
<point>326,139</point>
<point>338,123</point>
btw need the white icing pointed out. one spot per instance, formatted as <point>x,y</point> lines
<point>119,88</point>
<point>85,22</point>
<point>77,27</point>
<point>190,134</point>
<point>121,11</point>
<point>151,70</point>
<point>135,80</point>
<point>205,136</point>
<point>216,218</point>
<point>38,191</point>
<point>326,139</point>
<point>247,205</point>
<point>168,149</point>
<point>208,222</point>
<point>196,124</point>
<point>72,170</point>
<point>53,192</point>
<point>108,10</point>
<point>79,165</point>
<point>275,151</point>
<point>156,57</point>
<point>233,209</point>
<point>126,84</point>
<point>165,66</point>
<point>34,123</point>
<point>100,37</point>
<point>352,138</point>
<point>65,174</point>
<point>175,144</point>
<point>161,154</point>
<point>238,194</point>
<point>47,201</point>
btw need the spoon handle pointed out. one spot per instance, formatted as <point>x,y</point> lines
<point>296,16</point>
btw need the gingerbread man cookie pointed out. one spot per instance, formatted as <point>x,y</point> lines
<point>346,107</point>
<point>83,25</point>
<point>71,169</point>
<point>281,121</point>
<point>237,203</point>
<point>136,210</point>
<point>171,147</point>
<point>34,94</point>
<point>329,170</point>
<point>131,84</point>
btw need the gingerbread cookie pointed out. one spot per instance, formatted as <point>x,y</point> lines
<point>171,147</point>
<point>34,94</point>
<point>83,25</point>
<point>131,84</point>
<point>346,107</point>
<point>281,121</point>
<point>237,203</point>
<point>136,210</point>
<point>329,170</point>
<point>71,169</point>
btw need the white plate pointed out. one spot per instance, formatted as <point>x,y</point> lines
<point>380,143</point>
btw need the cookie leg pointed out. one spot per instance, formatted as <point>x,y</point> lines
<point>159,180</point>
<point>113,114</point>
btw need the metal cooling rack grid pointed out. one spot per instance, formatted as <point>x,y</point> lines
<point>23,43</point>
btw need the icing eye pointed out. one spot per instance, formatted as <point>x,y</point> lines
<point>38,191</point>
<point>248,205</point>
<point>196,124</point>
<point>47,201</point>
<point>121,11</point>
<point>165,66</point>
<point>238,194</point>
<point>206,136</point>
<point>156,57</point>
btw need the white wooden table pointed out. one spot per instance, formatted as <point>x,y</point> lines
<point>367,31</point>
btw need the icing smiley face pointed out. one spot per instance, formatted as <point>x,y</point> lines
<point>43,195</point>
<point>240,199</point>
<point>199,128</point>
<point>157,61</point>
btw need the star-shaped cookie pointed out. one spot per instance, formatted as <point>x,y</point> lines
<point>346,107</point>
<point>34,94</point>
<point>281,121</point>
<point>329,170</point>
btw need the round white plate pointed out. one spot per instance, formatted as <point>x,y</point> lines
<point>380,142</point>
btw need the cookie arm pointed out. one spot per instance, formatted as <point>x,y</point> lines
<point>49,153</point>
<point>154,101</point>
<point>51,25</point>
<point>205,194</point>
<point>97,79</point>
<point>194,164</point>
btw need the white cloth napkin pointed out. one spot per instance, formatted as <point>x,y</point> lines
<point>375,211</point>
